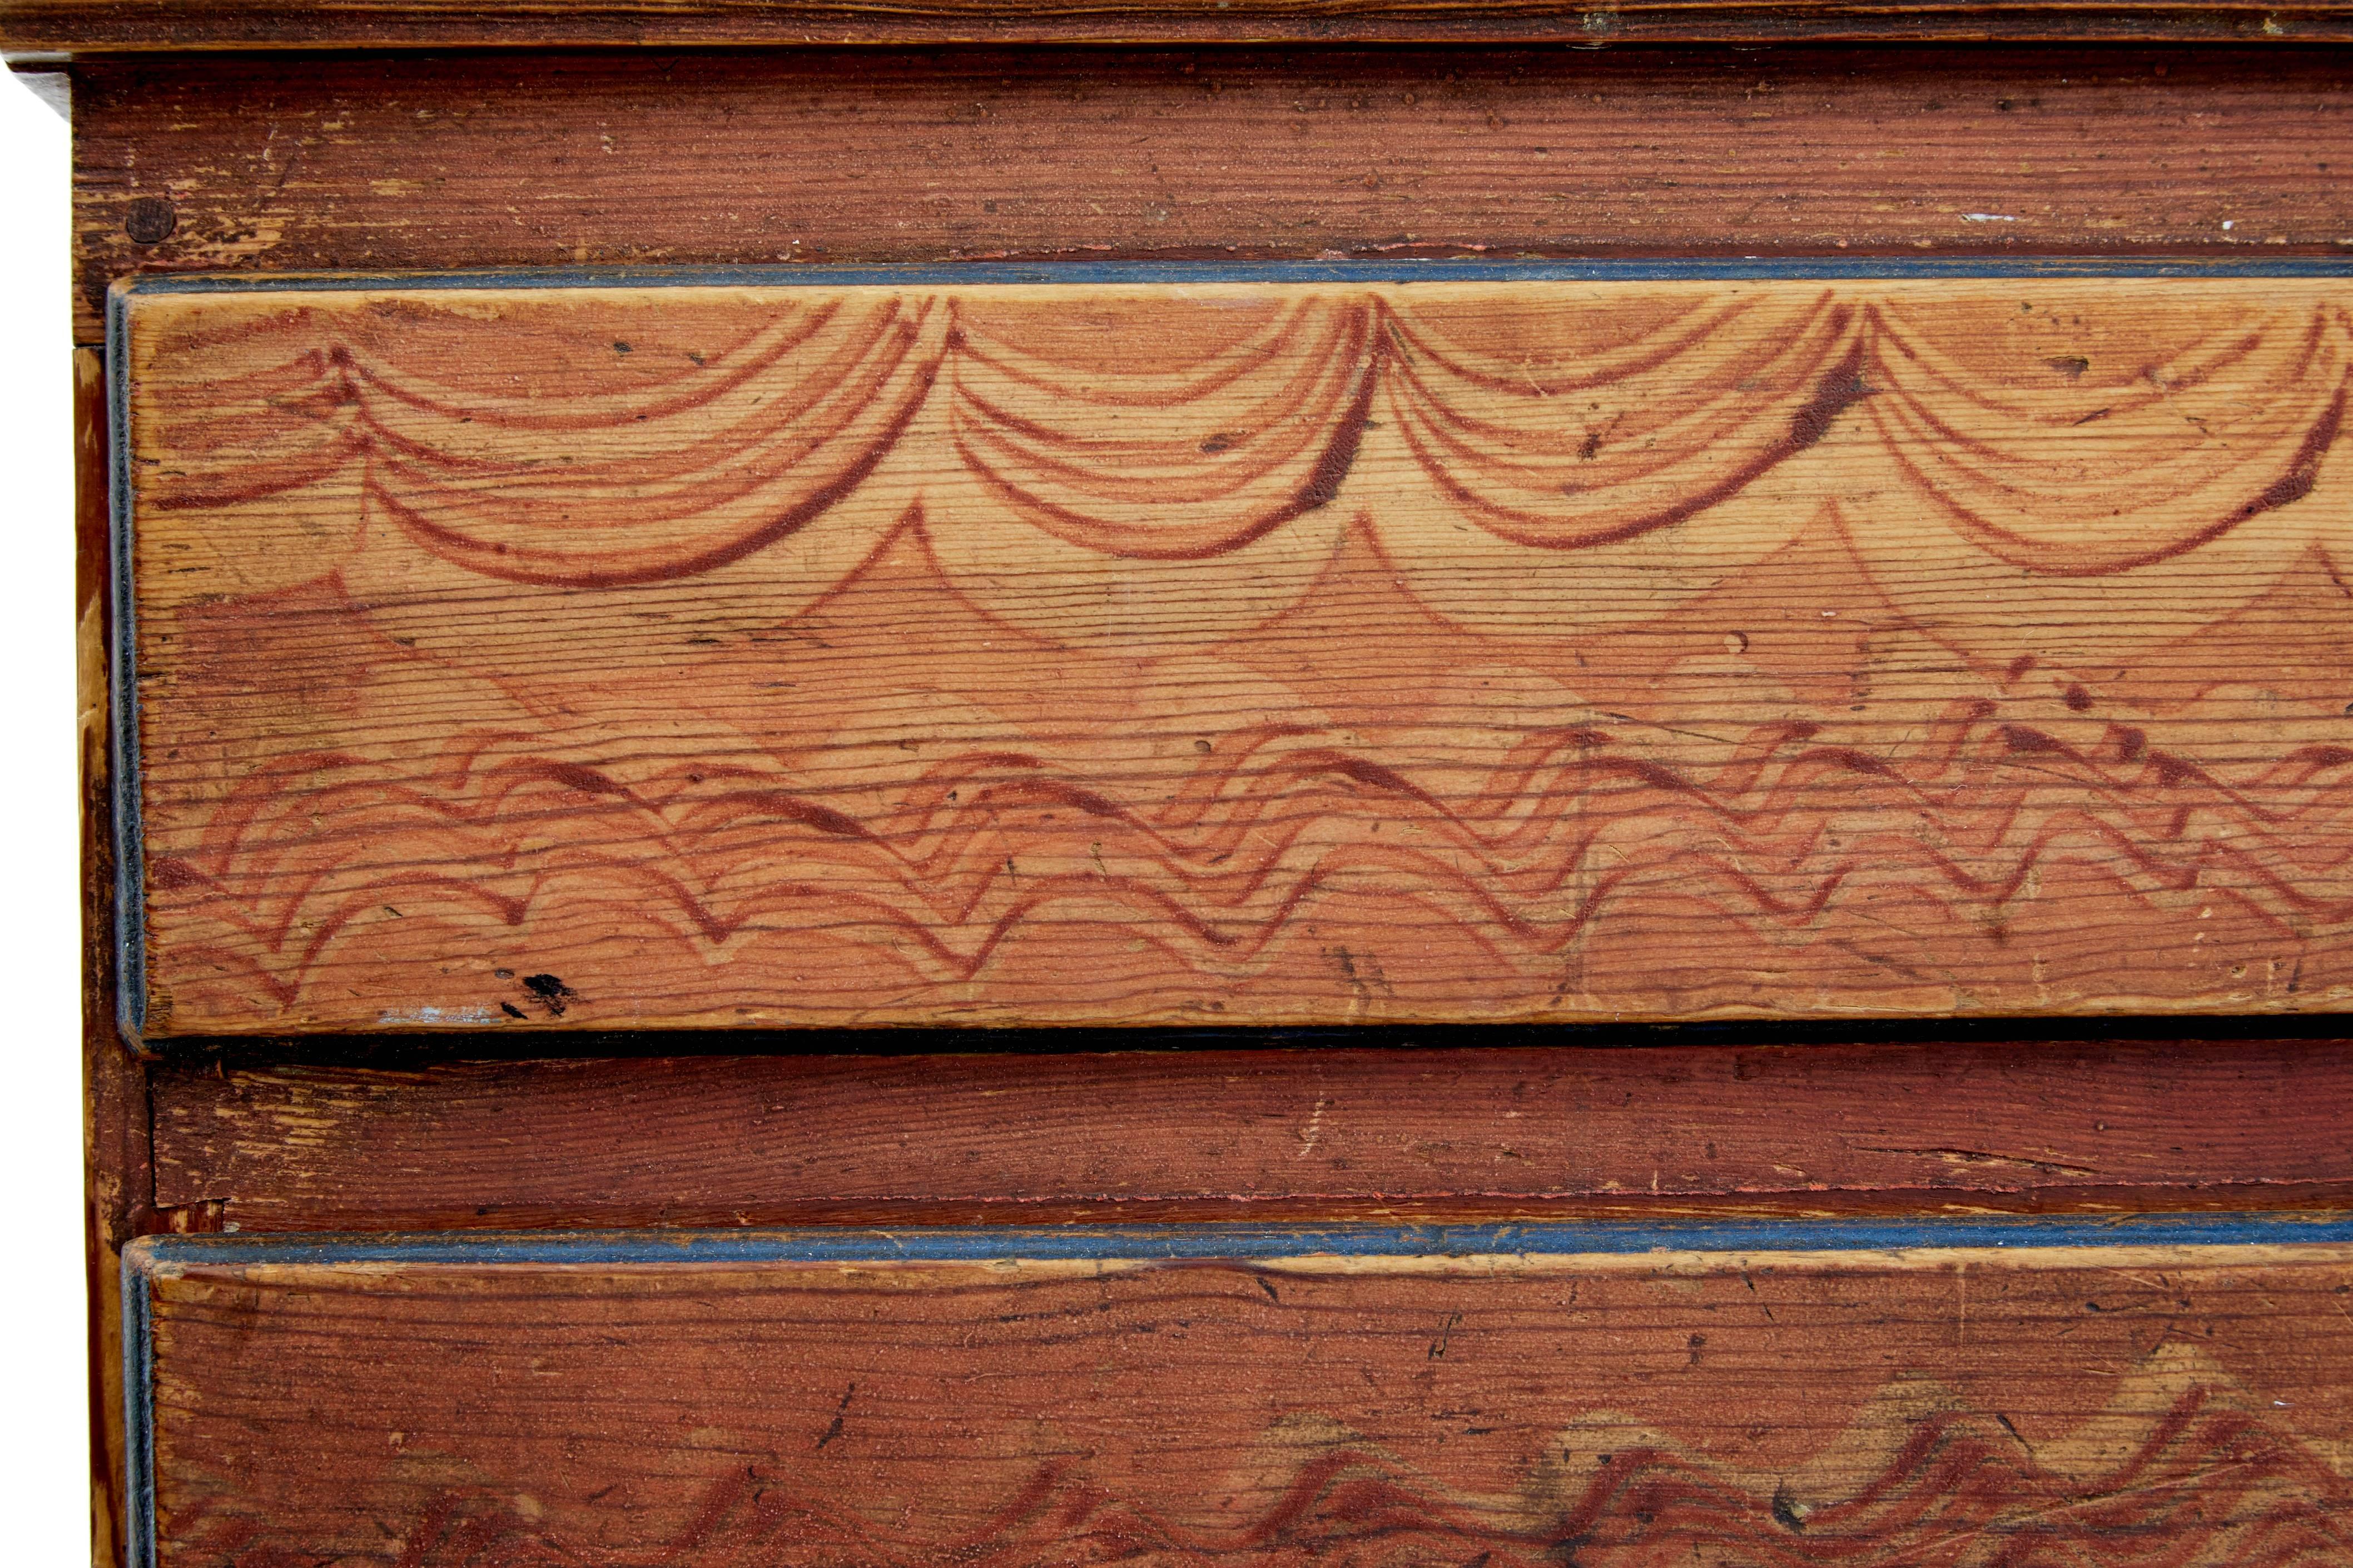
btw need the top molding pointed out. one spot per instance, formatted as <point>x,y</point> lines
<point>31,29</point>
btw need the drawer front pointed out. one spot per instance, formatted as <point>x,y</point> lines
<point>1273,645</point>
<point>1966,1393</point>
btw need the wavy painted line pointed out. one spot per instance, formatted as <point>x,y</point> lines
<point>2201,1485</point>
<point>1636,358</point>
<point>1837,391</point>
<point>318,892</point>
<point>1382,347</point>
<point>969,861</point>
<point>714,377</point>
<point>2293,482</point>
<point>2214,353</point>
<point>1318,487</point>
<point>552,568</point>
<point>1777,777</point>
<point>1698,412</point>
<point>1193,383</point>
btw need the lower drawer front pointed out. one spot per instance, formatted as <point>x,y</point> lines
<point>2004,1391</point>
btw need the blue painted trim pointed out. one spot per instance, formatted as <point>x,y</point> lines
<point>138,1410</point>
<point>1173,1243</point>
<point>122,688</point>
<point>1263,1242</point>
<point>1467,270</point>
<point>131,923</point>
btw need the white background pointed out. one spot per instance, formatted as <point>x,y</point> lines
<point>46,1391</point>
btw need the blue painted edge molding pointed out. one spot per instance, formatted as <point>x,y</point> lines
<point>1244,1242</point>
<point>130,857</point>
<point>122,688</point>
<point>138,1411</point>
<point>1223,1243</point>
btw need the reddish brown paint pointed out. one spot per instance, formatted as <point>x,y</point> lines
<point>818,156</point>
<point>1228,1134</point>
<point>2190,1407</point>
<point>98,28</point>
<point>175,170</point>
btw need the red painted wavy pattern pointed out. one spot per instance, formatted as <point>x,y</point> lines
<point>1253,420</point>
<point>2200,1482</point>
<point>1425,650</point>
<point>1560,826</point>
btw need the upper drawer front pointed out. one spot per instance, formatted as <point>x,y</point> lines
<point>1268,645</point>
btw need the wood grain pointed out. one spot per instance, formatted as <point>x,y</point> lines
<point>2191,1407</point>
<point>1312,1135</point>
<point>94,28</point>
<point>830,156</point>
<point>1255,652</point>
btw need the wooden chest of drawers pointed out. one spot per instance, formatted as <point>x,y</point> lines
<point>1290,783</point>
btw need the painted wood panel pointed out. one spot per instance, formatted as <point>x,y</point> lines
<point>1340,645</point>
<point>836,156</point>
<point>1860,1397</point>
<point>1373,1136</point>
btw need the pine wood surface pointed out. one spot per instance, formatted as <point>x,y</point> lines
<point>1245,652</point>
<point>96,27</point>
<point>2191,1407</point>
<point>828,155</point>
<point>1313,1135</point>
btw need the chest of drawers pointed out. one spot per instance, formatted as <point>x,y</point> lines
<point>1287,783</point>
